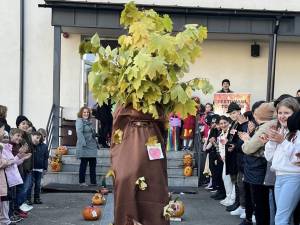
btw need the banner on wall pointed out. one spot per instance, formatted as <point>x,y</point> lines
<point>222,101</point>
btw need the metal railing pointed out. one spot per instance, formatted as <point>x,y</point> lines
<point>53,125</point>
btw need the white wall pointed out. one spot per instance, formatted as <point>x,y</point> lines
<point>70,75</point>
<point>9,60</point>
<point>291,5</point>
<point>38,63</point>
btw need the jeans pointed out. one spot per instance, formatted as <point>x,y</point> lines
<point>287,196</point>
<point>82,169</point>
<point>36,181</point>
<point>27,183</point>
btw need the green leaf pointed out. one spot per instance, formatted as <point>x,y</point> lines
<point>95,40</point>
<point>178,94</point>
<point>184,109</point>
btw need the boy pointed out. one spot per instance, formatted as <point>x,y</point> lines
<point>40,165</point>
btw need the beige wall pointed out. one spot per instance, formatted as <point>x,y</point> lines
<point>9,60</point>
<point>232,60</point>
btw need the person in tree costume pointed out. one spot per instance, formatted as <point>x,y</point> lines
<point>143,77</point>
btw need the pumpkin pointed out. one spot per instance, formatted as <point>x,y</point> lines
<point>55,166</point>
<point>62,150</point>
<point>98,199</point>
<point>91,213</point>
<point>188,159</point>
<point>188,171</point>
<point>178,208</point>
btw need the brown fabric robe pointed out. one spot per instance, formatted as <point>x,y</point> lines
<point>130,161</point>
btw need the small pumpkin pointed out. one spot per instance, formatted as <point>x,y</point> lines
<point>98,199</point>
<point>62,150</point>
<point>178,208</point>
<point>91,213</point>
<point>187,159</point>
<point>56,166</point>
<point>188,171</point>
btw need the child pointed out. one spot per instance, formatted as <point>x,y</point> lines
<point>188,131</point>
<point>40,165</point>
<point>4,204</point>
<point>35,138</point>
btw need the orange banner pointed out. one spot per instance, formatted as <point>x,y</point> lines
<point>222,100</point>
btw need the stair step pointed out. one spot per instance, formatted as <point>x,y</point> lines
<point>103,168</point>
<point>71,159</point>
<point>72,178</point>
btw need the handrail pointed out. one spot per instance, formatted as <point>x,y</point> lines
<point>50,125</point>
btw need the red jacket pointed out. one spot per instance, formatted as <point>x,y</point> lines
<point>189,122</point>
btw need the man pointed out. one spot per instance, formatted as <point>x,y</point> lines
<point>298,93</point>
<point>225,87</point>
<point>234,156</point>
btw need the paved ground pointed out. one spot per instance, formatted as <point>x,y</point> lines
<point>65,209</point>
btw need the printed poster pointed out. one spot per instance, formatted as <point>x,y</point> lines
<point>222,101</point>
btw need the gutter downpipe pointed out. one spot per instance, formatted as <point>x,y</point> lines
<point>272,62</point>
<point>21,78</point>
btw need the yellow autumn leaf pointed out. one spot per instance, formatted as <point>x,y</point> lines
<point>110,173</point>
<point>152,140</point>
<point>168,212</point>
<point>141,183</point>
<point>117,136</point>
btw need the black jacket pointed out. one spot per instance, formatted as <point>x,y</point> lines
<point>7,127</point>
<point>40,157</point>
<point>235,159</point>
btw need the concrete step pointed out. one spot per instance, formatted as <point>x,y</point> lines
<point>71,159</point>
<point>72,178</point>
<point>74,167</point>
<point>104,152</point>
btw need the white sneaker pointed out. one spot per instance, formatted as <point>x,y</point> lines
<point>238,211</point>
<point>253,219</point>
<point>226,202</point>
<point>243,216</point>
<point>26,208</point>
<point>83,185</point>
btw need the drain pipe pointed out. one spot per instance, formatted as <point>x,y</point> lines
<point>21,79</point>
<point>272,62</point>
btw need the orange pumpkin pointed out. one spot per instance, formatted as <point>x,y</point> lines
<point>188,171</point>
<point>98,199</point>
<point>188,159</point>
<point>91,213</point>
<point>178,208</point>
<point>62,150</point>
<point>56,166</point>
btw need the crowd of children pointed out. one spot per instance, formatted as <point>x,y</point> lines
<point>254,161</point>
<point>23,162</point>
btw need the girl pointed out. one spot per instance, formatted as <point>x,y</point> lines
<point>280,149</point>
<point>86,147</point>
<point>222,140</point>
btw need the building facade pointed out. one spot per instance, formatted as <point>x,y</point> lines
<point>40,47</point>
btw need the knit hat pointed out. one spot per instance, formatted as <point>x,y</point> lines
<point>265,112</point>
<point>233,106</point>
<point>293,122</point>
<point>20,119</point>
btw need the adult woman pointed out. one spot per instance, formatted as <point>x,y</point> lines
<point>86,146</point>
<point>280,149</point>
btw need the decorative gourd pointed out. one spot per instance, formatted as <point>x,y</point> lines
<point>56,166</point>
<point>98,199</point>
<point>178,208</point>
<point>62,150</point>
<point>91,213</point>
<point>188,171</point>
<point>188,159</point>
